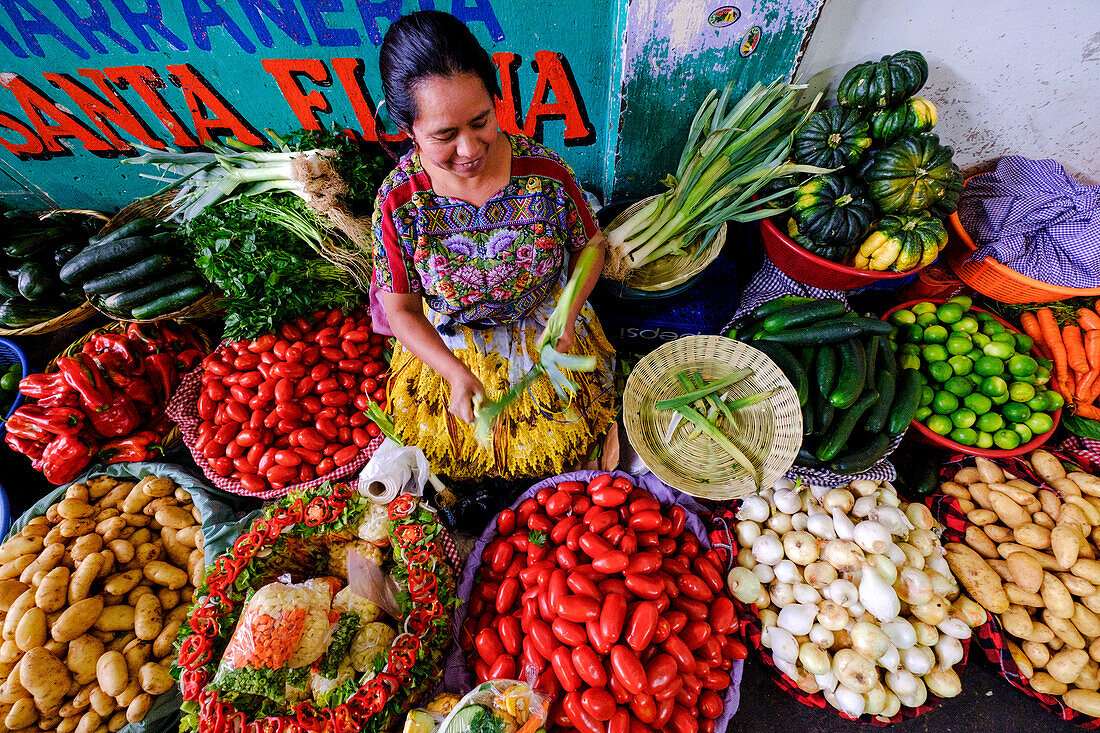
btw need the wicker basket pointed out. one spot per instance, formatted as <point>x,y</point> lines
<point>160,208</point>
<point>770,431</point>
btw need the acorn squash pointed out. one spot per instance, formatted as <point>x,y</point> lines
<point>901,243</point>
<point>912,116</point>
<point>910,175</point>
<point>883,83</point>
<point>953,189</point>
<point>832,138</point>
<point>830,252</point>
<point>832,210</point>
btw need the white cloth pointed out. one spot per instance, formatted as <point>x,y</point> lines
<point>394,469</point>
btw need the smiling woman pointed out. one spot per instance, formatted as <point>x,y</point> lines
<point>475,234</point>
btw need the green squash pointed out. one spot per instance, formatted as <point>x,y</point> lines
<point>832,138</point>
<point>910,175</point>
<point>833,210</point>
<point>900,243</point>
<point>884,83</point>
<point>949,202</point>
<point>912,116</point>
<point>828,251</point>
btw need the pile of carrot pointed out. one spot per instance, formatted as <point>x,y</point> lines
<point>1074,350</point>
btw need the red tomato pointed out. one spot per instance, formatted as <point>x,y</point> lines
<point>539,523</point>
<point>619,722</point>
<point>695,610</point>
<point>715,680</point>
<point>611,562</point>
<point>604,479</point>
<point>694,587</point>
<point>578,609</point>
<point>507,595</point>
<point>501,556</point>
<point>565,557</point>
<point>571,487</point>
<point>678,518</point>
<point>628,669</point>
<point>588,666</point>
<point>623,483</point>
<point>663,630</point>
<point>558,504</point>
<point>645,521</point>
<point>723,617</point>
<point>644,562</point>
<point>506,522</point>
<point>612,617</point>
<point>644,708</point>
<point>543,638</point>
<point>578,716</point>
<point>683,721</point>
<point>253,484</point>
<point>599,704</point>
<point>569,633</point>
<point>562,527</point>
<point>562,662</point>
<point>595,546</point>
<point>643,622</point>
<point>582,584</point>
<point>648,539</point>
<point>734,649</point>
<point>644,586</point>
<point>345,455</point>
<point>608,497</point>
<point>602,521</point>
<point>488,645</point>
<point>660,673</point>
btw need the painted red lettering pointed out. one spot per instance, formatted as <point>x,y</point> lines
<point>145,82</point>
<point>508,104</point>
<point>555,77</point>
<point>203,99</point>
<point>350,74</point>
<point>287,72</point>
<point>108,112</point>
<point>31,145</point>
<point>40,109</point>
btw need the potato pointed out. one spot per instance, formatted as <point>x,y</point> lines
<point>177,552</point>
<point>102,703</point>
<point>86,545</point>
<point>52,593</point>
<point>1094,650</point>
<point>968,475</point>
<point>1017,622</point>
<point>74,509</point>
<point>1046,561</point>
<point>1067,664</point>
<point>1064,630</point>
<point>68,725</point>
<point>76,619</point>
<point>1044,683</point>
<point>1032,535</point>
<point>148,617</point>
<point>989,471</point>
<point>80,583</point>
<point>89,722</point>
<point>122,583</point>
<point>136,653</point>
<point>10,590</point>
<point>982,517</point>
<point>139,708</point>
<point>14,568</point>
<point>1020,597</point>
<point>952,488</point>
<point>136,500</point>
<point>139,591</point>
<point>162,646</point>
<point>117,722</point>
<point>1011,514</point>
<point>174,517</point>
<point>975,575</point>
<point>1092,514</point>
<point>84,652</point>
<point>132,690</point>
<point>1040,633</point>
<point>44,675</point>
<point>1026,571</point>
<point>164,574</point>
<point>19,546</point>
<point>188,536</point>
<point>1086,621</point>
<point>1087,569</point>
<point>10,652</point>
<point>154,678</point>
<point>123,550</point>
<point>1088,484</point>
<point>1021,660</point>
<point>46,561</point>
<point>1046,465</point>
<point>23,713</point>
<point>1056,596</point>
<point>31,630</point>
<point>1037,654</point>
<point>169,599</point>
<point>111,673</point>
<point>138,520</point>
<point>118,618</point>
<point>21,605</point>
<point>1089,679</point>
<point>73,528</point>
<point>1020,495</point>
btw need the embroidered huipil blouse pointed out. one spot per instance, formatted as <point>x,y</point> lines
<point>481,266</point>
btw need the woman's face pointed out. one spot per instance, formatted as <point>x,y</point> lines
<point>456,123</point>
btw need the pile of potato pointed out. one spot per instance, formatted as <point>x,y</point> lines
<point>91,597</point>
<point>1030,557</point>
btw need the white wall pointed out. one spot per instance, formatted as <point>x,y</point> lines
<point>1008,77</point>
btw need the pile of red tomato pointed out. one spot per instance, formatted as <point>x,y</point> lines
<point>287,408</point>
<point>600,594</point>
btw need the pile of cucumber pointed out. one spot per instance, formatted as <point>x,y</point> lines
<point>855,400</point>
<point>32,251</point>
<point>134,272</point>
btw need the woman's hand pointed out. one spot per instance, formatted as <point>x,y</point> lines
<point>565,343</point>
<point>464,385</point>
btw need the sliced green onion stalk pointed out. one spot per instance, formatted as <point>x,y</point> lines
<point>550,361</point>
<point>730,154</point>
<point>704,391</point>
<point>711,431</point>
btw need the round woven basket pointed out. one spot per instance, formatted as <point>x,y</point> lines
<point>159,208</point>
<point>769,432</point>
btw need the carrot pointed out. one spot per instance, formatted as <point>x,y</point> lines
<point>1031,327</point>
<point>1075,349</point>
<point>1092,353</point>
<point>1090,411</point>
<point>1053,339</point>
<point>1088,318</point>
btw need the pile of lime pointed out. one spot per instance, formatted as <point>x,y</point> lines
<point>983,386</point>
<point>9,386</point>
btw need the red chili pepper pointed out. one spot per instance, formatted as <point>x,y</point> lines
<point>161,371</point>
<point>188,358</point>
<point>140,446</point>
<point>115,348</point>
<point>120,417</point>
<point>37,386</point>
<point>42,423</point>
<point>82,375</point>
<point>65,457</point>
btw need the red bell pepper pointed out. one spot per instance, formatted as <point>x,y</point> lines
<point>82,375</point>
<point>120,417</point>
<point>37,386</point>
<point>141,446</point>
<point>140,391</point>
<point>68,398</point>
<point>35,422</point>
<point>188,358</point>
<point>146,338</point>
<point>160,369</point>
<point>26,446</point>
<point>113,349</point>
<point>65,457</point>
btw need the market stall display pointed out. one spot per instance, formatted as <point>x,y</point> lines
<point>849,590</point>
<point>1074,352</point>
<point>1024,546</point>
<point>13,365</point>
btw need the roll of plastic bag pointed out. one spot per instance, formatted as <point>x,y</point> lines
<point>394,469</point>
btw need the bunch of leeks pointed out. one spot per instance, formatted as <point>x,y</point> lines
<point>731,153</point>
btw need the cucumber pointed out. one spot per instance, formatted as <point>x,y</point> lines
<point>129,229</point>
<point>790,367</point>
<point>125,300</point>
<point>823,417</point>
<point>105,257</point>
<point>886,382</point>
<point>33,280</point>
<point>67,251</point>
<point>136,275</point>
<point>8,288</point>
<point>21,313</point>
<point>842,429</point>
<point>804,314</point>
<point>824,332</point>
<point>872,357</point>
<point>807,458</point>
<point>906,401</point>
<point>873,326</point>
<point>170,303</point>
<point>463,719</point>
<point>825,369</point>
<point>776,305</point>
<point>863,457</point>
<point>807,417</point>
<point>851,374</point>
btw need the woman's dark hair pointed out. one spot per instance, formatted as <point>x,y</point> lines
<point>424,44</point>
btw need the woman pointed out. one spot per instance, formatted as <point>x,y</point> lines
<point>477,225</point>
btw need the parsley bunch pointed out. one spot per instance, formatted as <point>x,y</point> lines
<point>362,164</point>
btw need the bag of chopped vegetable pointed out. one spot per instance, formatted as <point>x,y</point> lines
<point>506,706</point>
<point>370,668</point>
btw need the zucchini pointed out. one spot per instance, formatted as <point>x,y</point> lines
<point>872,357</point>
<point>823,418</point>
<point>21,313</point>
<point>873,326</point>
<point>851,374</point>
<point>825,369</point>
<point>906,401</point>
<point>842,429</point>
<point>8,288</point>
<point>97,259</point>
<point>170,303</point>
<point>863,457</point>
<point>807,417</point>
<point>135,275</point>
<point>886,382</point>
<point>123,301</point>
<point>824,332</point>
<point>807,458</point>
<point>67,251</point>
<point>776,305</point>
<point>129,229</point>
<point>790,367</point>
<point>804,314</point>
<point>33,281</point>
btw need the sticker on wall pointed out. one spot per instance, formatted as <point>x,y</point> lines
<point>723,16</point>
<point>749,41</point>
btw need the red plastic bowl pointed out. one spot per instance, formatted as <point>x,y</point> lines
<point>927,436</point>
<point>818,272</point>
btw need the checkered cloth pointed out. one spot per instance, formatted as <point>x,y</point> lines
<point>1037,219</point>
<point>1085,452</point>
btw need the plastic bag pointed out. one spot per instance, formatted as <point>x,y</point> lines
<point>392,469</point>
<point>511,702</point>
<point>371,639</point>
<point>367,580</point>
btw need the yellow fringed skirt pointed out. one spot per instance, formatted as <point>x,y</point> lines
<point>539,435</point>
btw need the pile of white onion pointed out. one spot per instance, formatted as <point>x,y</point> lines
<point>855,598</point>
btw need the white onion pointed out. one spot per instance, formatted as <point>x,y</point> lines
<point>889,496</point>
<point>787,501</point>
<point>801,547</point>
<point>745,559</point>
<point>949,651</point>
<point>934,612</point>
<point>943,682</point>
<point>941,585</point>
<point>841,499</point>
<point>806,594</point>
<point>926,634</point>
<point>781,642</point>
<point>798,521</point>
<point>842,524</point>
<point>865,487</point>
<point>871,536</point>
<point>842,591</point>
<point>788,668</point>
<point>878,597</point>
<point>937,562</point>
<point>869,640</point>
<point>832,616</point>
<point>920,516</point>
<point>754,509</point>
<point>743,584</point>
<point>821,636</point>
<point>844,555</point>
<point>885,568</point>
<point>918,659</point>
<point>876,700</point>
<point>855,671</point>
<point>924,540</point>
<point>784,483</point>
<point>892,518</point>
<point>814,659</point>
<point>890,659</point>
<point>902,683</point>
<point>782,593</point>
<point>864,505</point>
<point>917,698</point>
<point>914,586</point>
<point>954,627</point>
<point>819,574</point>
<point>768,618</point>
<point>797,618</point>
<point>848,701</point>
<point>821,525</point>
<point>747,532</point>
<point>913,556</point>
<point>786,571</point>
<point>780,522</point>
<point>891,707</point>
<point>764,572</point>
<point>901,633</point>
<point>857,610</point>
<point>767,550</point>
<point>826,681</point>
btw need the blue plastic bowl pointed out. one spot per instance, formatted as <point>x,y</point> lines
<point>11,354</point>
<point>5,514</point>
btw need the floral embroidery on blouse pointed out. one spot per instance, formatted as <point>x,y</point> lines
<point>487,265</point>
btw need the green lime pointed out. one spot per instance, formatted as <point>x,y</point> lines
<point>941,371</point>
<point>979,403</point>
<point>984,441</point>
<point>1044,363</point>
<point>1030,379</point>
<point>935,334</point>
<point>1040,402</point>
<point>1042,375</point>
<point>982,316</point>
<point>992,327</point>
<point>1040,422</point>
<point>1024,343</point>
<point>949,312</point>
<point>1020,391</point>
<point>966,436</point>
<point>980,339</point>
<point>939,424</point>
<point>1006,337</point>
<point>927,319</point>
<point>958,386</point>
<point>999,350</point>
<point>964,300</point>
<point>990,422</point>
<point>922,412</point>
<point>959,344</point>
<point>999,399</point>
<point>1022,365</point>
<point>926,395</point>
<point>961,365</point>
<point>1023,431</point>
<point>974,355</point>
<point>1055,401</point>
<point>1016,412</point>
<point>963,418</point>
<point>1006,439</point>
<point>944,403</point>
<point>924,307</point>
<point>989,366</point>
<point>903,317</point>
<point>975,378</point>
<point>994,387</point>
<point>9,382</point>
<point>966,325</point>
<point>913,333</point>
<point>934,352</point>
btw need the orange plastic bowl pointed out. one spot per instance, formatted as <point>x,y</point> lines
<point>925,435</point>
<point>818,272</point>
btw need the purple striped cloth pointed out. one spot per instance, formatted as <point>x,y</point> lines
<point>1037,219</point>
